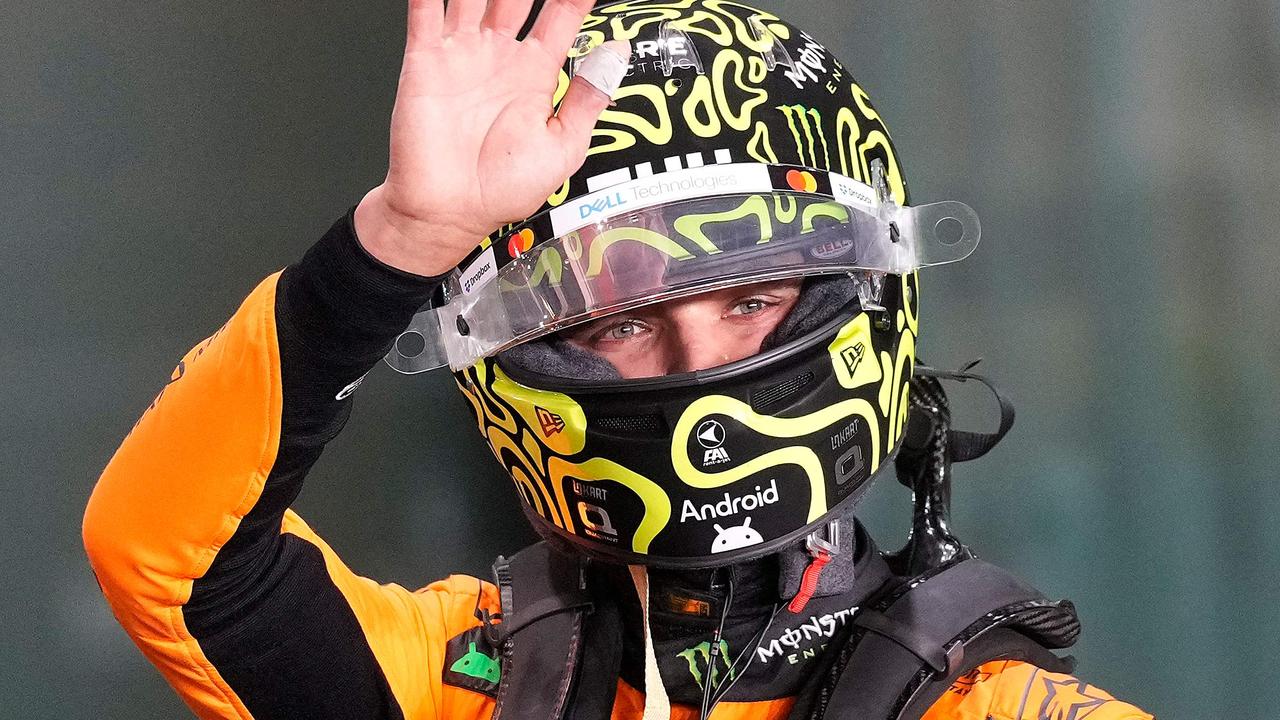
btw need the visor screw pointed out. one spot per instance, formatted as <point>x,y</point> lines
<point>463,327</point>
<point>895,234</point>
<point>882,321</point>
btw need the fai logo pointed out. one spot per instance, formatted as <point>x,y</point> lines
<point>551,423</point>
<point>715,456</point>
<point>710,436</point>
<point>735,537</point>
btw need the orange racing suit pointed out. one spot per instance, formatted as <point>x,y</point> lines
<point>249,614</point>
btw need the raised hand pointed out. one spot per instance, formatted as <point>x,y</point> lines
<point>474,141</point>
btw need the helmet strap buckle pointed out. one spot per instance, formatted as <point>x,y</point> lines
<point>830,544</point>
<point>823,549</point>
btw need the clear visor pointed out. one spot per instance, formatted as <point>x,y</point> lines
<point>630,255</point>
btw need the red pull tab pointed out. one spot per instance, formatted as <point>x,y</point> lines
<point>809,581</point>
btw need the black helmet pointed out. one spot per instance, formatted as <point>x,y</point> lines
<point>739,150</point>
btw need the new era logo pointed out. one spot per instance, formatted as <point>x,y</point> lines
<point>551,423</point>
<point>852,356</point>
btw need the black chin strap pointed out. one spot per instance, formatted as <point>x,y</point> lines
<point>962,445</point>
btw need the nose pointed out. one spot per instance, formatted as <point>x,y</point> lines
<point>700,346</point>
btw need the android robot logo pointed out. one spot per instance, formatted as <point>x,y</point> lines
<point>735,536</point>
<point>478,665</point>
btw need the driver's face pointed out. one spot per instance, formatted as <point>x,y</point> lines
<point>692,333</point>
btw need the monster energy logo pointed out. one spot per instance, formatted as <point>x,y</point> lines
<point>807,131</point>
<point>699,657</point>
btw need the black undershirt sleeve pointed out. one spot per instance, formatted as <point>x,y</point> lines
<point>266,614</point>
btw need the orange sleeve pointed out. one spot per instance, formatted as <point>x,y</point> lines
<point>1009,690</point>
<point>174,492</point>
<point>246,612</point>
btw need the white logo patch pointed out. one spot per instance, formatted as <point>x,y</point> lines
<point>479,273</point>
<point>735,537</point>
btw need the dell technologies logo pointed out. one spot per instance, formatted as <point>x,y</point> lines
<point>601,204</point>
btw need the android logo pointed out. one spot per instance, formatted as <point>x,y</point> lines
<point>478,665</point>
<point>735,536</point>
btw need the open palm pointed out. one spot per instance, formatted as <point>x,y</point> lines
<point>474,143</point>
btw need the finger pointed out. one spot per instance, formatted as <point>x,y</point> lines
<point>590,93</point>
<point>426,18</point>
<point>506,17</point>
<point>463,15</point>
<point>558,24</point>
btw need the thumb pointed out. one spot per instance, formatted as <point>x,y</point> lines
<point>590,92</point>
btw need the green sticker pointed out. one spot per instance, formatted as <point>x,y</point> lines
<point>700,654</point>
<point>478,665</point>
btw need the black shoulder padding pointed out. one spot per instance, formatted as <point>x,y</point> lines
<point>544,598</point>
<point>997,643</point>
<point>913,643</point>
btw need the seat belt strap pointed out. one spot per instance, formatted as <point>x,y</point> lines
<point>544,599</point>
<point>657,705</point>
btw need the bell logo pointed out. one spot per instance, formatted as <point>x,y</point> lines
<point>551,423</point>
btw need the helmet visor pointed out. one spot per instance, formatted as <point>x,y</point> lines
<point>646,241</point>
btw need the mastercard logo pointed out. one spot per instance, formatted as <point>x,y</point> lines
<point>801,181</point>
<point>519,243</point>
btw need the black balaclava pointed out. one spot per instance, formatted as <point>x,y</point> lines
<point>820,299</point>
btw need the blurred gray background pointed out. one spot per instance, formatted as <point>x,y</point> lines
<point>158,158</point>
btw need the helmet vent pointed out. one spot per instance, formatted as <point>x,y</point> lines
<point>775,394</point>
<point>632,425</point>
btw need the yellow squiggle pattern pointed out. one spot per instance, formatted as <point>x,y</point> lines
<point>536,469</point>
<point>771,426</point>
<point>657,506</point>
<point>657,241</point>
<point>755,206</point>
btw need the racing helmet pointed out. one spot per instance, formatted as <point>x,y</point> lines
<point>739,150</point>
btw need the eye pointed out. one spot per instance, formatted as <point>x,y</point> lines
<point>749,306</point>
<point>624,330</point>
<point>619,331</point>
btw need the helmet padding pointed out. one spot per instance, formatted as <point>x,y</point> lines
<point>820,299</point>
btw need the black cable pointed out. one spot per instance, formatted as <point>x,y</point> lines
<point>751,649</point>
<point>714,653</point>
